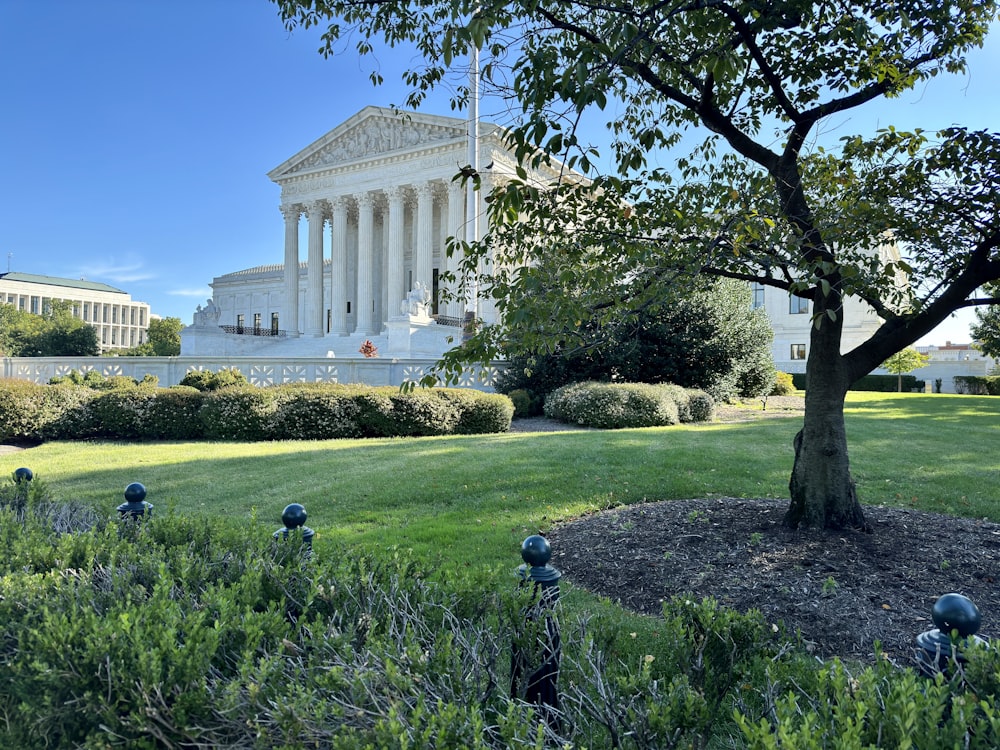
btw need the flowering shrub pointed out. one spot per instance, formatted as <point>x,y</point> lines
<point>315,412</point>
<point>239,413</point>
<point>617,405</point>
<point>295,411</point>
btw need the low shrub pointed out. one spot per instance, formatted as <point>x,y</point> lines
<point>783,385</point>
<point>206,380</point>
<point>974,385</point>
<point>297,411</point>
<point>612,406</point>
<point>526,403</point>
<point>617,405</point>
<point>701,406</point>
<point>306,411</point>
<point>877,383</point>
<point>238,413</point>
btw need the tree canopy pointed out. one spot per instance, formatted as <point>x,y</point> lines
<point>712,339</point>
<point>986,329</point>
<point>54,333</point>
<point>904,361</point>
<point>754,198</point>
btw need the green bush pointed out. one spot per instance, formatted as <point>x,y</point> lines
<point>878,383</point>
<point>206,380</point>
<point>526,403</point>
<point>238,413</point>
<point>125,410</point>
<point>878,706</point>
<point>308,411</point>
<point>175,415</point>
<point>422,413</point>
<point>612,406</point>
<point>783,385</point>
<point>480,413</point>
<point>974,385</point>
<point>701,406</point>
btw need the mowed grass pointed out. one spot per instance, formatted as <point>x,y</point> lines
<point>470,501</point>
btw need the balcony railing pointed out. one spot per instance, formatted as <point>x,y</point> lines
<point>251,331</point>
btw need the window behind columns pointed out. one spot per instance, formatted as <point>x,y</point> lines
<point>274,323</point>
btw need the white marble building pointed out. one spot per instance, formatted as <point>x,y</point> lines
<point>370,205</point>
<point>121,322</point>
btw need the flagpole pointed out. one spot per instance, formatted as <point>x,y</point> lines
<point>471,195</point>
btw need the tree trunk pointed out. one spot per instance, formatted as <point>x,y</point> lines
<point>823,493</point>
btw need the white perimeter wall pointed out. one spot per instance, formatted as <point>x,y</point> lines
<point>260,371</point>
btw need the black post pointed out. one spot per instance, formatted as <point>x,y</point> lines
<point>534,673</point>
<point>952,613</point>
<point>294,517</point>
<point>135,506</point>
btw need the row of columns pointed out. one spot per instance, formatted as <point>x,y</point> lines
<point>391,203</point>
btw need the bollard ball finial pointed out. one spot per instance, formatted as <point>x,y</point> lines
<point>24,474</point>
<point>536,551</point>
<point>956,612</point>
<point>135,493</point>
<point>293,516</point>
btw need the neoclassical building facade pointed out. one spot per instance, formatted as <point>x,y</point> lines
<point>368,210</point>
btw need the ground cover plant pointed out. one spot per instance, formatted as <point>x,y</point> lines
<point>458,507</point>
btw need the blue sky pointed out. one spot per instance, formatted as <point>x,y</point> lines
<point>135,136</point>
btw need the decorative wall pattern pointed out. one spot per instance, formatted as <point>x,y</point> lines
<point>258,370</point>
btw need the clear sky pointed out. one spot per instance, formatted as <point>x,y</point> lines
<point>135,136</point>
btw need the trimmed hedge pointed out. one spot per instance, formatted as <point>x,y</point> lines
<point>878,383</point>
<point>620,405</point>
<point>296,411</point>
<point>978,385</point>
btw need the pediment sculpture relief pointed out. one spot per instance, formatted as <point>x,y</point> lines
<point>372,138</point>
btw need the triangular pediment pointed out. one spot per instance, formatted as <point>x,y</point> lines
<point>372,133</point>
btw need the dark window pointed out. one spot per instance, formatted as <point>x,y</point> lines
<point>798,351</point>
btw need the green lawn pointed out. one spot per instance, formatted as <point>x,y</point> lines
<point>470,501</point>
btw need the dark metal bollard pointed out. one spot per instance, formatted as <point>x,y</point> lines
<point>294,517</point>
<point>135,506</point>
<point>24,474</point>
<point>936,649</point>
<point>534,671</point>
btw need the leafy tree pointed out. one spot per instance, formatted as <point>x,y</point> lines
<point>163,339</point>
<point>904,361</point>
<point>986,331</point>
<point>753,199</point>
<point>54,333</point>
<point>711,339</point>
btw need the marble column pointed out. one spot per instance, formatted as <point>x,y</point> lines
<point>395,282</point>
<point>338,266</point>
<point>290,312</point>
<point>423,262</point>
<point>314,323</point>
<point>456,229</point>
<point>366,263</point>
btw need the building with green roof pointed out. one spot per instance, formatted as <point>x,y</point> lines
<point>121,322</point>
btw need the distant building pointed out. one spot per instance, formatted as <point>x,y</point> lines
<point>121,322</point>
<point>950,361</point>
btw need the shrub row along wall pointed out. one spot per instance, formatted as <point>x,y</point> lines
<point>304,411</point>
<point>880,383</point>
<point>988,385</point>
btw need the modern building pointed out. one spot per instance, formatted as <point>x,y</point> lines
<point>121,322</point>
<point>373,202</point>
